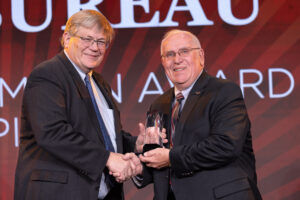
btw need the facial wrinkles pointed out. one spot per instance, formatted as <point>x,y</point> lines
<point>178,63</point>
<point>181,70</point>
<point>93,52</point>
<point>85,57</point>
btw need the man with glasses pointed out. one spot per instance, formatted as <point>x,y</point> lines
<point>71,136</point>
<point>209,154</point>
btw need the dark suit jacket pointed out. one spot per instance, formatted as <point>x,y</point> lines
<point>62,153</point>
<point>212,156</point>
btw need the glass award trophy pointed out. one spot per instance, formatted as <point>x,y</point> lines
<point>154,125</point>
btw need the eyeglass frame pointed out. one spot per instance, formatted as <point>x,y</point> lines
<point>179,52</point>
<point>100,42</point>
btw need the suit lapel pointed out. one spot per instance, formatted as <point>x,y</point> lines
<point>84,94</point>
<point>75,76</point>
<point>105,91</point>
<point>191,101</point>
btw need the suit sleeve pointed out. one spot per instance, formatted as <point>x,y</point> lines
<point>45,107</point>
<point>146,178</point>
<point>128,142</point>
<point>229,126</point>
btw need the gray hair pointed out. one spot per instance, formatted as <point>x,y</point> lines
<point>176,31</point>
<point>88,19</point>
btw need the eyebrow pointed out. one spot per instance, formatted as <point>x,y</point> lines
<point>178,49</point>
<point>102,38</point>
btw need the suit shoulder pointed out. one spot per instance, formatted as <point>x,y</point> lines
<point>225,85</point>
<point>164,98</point>
<point>48,67</point>
<point>50,71</point>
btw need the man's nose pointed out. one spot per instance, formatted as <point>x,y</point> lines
<point>94,46</point>
<point>178,58</point>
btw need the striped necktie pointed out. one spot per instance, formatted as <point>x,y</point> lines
<point>175,115</point>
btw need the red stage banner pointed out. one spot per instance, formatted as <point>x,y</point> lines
<point>252,42</point>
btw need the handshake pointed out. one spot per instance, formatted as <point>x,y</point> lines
<point>125,166</point>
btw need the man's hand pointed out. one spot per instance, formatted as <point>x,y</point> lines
<point>164,136</point>
<point>118,167</point>
<point>139,144</point>
<point>157,158</point>
<point>128,166</point>
<point>135,163</point>
<point>153,133</point>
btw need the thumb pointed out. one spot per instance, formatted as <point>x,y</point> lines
<point>141,127</point>
<point>149,153</point>
<point>127,156</point>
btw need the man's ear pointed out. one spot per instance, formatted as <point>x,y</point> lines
<point>201,53</point>
<point>66,38</point>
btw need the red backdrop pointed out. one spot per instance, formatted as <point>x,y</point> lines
<point>257,46</point>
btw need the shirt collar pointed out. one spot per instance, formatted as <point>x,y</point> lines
<point>80,72</point>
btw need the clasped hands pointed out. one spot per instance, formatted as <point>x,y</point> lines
<point>123,167</point>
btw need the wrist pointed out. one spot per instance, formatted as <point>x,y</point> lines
<point>110,159</point>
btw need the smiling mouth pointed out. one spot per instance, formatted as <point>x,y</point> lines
<point>92,56</point>
<point>178,69</point>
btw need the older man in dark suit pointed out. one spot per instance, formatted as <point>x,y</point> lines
<point>71,135</point>
<point>210,153</point>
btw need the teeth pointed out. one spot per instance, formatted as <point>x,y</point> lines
<point>177,70</point>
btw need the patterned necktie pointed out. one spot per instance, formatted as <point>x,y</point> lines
<point>108,144</point>
<point>175,115</point>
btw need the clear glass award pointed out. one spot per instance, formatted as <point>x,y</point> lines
<point>154,125</point>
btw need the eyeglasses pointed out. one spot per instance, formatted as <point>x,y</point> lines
<point>88,41</point>
<point>184,52</point>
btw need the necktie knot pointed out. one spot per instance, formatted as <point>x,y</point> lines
<point>179,97</point>
<point>88,77</point>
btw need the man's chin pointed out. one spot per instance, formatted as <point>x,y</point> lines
<point>91,66</point>
<point>181,85</point>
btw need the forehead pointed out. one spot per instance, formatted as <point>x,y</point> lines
<point>177,41</point>
<point>92,32</point>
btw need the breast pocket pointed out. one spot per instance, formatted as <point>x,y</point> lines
<point>49,176</point>
<point>47,184</point>
<point>234,188</point>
